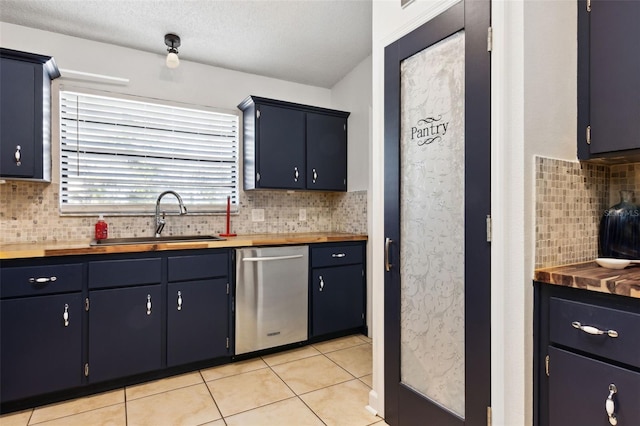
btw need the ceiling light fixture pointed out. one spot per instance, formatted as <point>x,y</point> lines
<point>173,42</point>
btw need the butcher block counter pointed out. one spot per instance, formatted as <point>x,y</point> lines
<point>591,276</point>
<point>68,248</point>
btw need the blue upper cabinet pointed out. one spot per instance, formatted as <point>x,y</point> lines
<point>292,146</point>
<point>608,80</point>
<point>25,97</point>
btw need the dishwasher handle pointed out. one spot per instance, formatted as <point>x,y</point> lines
<point>266,258</point>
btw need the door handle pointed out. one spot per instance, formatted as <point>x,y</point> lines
<point>315,176</point>
<point>321,283</point>
<point>18,156</point>
<point>387,245</point>
<point>262,259</point>
<point>610,405</point>
<point>295,174</point>
<point>148,304</point>
<point>179,300</point>
<point>65,315</point>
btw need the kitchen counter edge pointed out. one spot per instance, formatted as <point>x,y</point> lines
<point>590,276</point>
<point>70,248</point>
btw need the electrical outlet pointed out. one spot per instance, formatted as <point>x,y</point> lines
<point>302,215</point>
<point>257,215</point>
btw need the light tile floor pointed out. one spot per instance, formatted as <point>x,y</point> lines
<point>326,383</point>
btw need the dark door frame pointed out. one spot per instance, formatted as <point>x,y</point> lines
<point>475,17</point>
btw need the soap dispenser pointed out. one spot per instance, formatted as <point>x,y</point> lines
<point>101,229</point>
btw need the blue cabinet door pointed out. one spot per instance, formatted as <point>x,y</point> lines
<point>280,147</point>
<point>337,299</point>
<point>197,321</point>
<point>18,83</point>
<point>125,332</point>
<point>326,152</point>
<point>40,351</point>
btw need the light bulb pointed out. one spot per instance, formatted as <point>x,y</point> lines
<point>172,60</point>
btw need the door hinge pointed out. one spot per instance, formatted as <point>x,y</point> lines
<point>227,288</point>
<point>489,419</point>
<point>588,5</point>
<point>489,228</point>
<point>86,370</point>
<point>546,365</point>
<point>588,135</point>
<point>86,304</point>
<point>489,39</point>
<point>227,343</point>
<point>258,114</point>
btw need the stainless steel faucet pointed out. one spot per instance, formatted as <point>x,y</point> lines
<point>160,220</point>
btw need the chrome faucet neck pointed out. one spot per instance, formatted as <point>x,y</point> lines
<point>160,222</point>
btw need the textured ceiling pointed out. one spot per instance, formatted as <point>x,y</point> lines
<point>314,42</point>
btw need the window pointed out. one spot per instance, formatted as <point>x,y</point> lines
<point>117,155</point>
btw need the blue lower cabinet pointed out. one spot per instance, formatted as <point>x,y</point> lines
<point>197,321</point>
<point>40,345</point>
<point>337,295</point>
<point>125,332</point>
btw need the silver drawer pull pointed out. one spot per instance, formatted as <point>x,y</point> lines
<point>65,315</point>
<point>18,156</point>
<point>148,304</point>
<point>315,176</point>
<point>295,174</point>
<point>610,405</point>
<point>41,280</point>
<point>321,283</point>
<point>338,255</point>
<point>593,330</point>
<point>179,300</point>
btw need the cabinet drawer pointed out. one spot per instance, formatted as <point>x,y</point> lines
<point>36,280</point>
<point>184,268</point>
<point>565,316</point>
<point>117,273</point>
<point>335,255</point>
<point>579,387</point>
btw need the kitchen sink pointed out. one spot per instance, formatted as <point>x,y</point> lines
<point>155,240</point>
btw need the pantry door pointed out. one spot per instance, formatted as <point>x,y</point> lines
<point>437,199</point>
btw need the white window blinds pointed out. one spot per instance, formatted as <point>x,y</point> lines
<point>118,155</point>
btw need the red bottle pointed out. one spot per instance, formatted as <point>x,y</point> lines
<point>102,229</point>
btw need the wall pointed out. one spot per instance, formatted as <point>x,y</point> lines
<point>571,198</point>
<point>353,93</point>
<point>29,211</point>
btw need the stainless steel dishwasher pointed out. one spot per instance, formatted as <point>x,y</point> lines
<point>271,297</point>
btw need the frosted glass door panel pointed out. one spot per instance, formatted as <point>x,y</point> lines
<point>432,223</point>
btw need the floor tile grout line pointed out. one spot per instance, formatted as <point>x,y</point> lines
<point>213,398</point>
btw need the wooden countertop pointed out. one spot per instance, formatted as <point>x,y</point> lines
<point>591,276</point>
<point>68,248</point>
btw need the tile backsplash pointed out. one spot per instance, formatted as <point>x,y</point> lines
<point>570,200</point>
<point>29,212</point>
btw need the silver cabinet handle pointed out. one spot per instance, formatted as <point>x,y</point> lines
<point>593,330</point>
<point>42,280</point>
<point>321,283</point>
<point>387,244</point>
<point>315,175</point>
<point>179,300</point>
<point>18,155</point>
<point>295,174</point>
<point>65,315</point>
<point>610,405</point>
<point>338,255</point>
<point>148,304</point>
